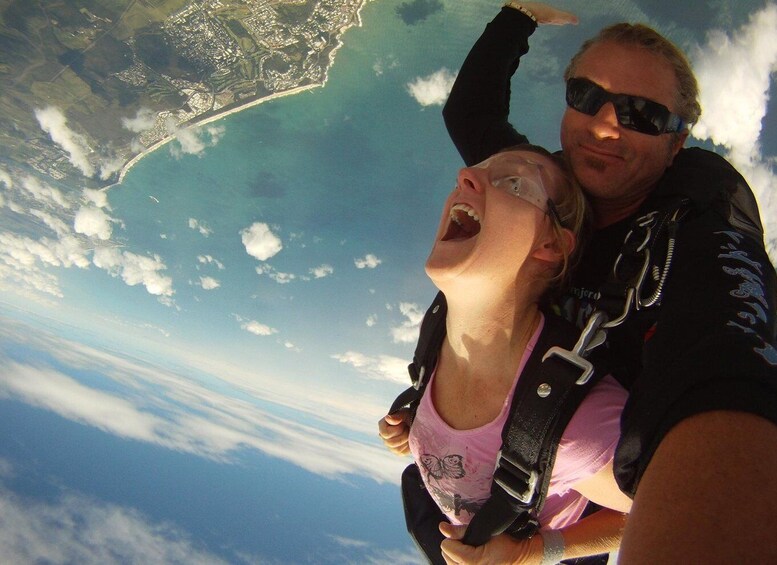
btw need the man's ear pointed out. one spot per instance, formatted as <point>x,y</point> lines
<point>552,248</point>
<point>676,144</point>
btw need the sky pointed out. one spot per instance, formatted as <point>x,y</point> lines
<point>193,362</point>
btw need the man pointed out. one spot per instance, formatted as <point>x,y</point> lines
<point>699,442</point>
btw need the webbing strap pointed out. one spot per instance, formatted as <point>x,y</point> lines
<point>546,397</point>
<point>425,357</point>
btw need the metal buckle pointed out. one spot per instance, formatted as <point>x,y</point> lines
<point>512,468</point>
<point>421,372</point>
<point>591,337</point>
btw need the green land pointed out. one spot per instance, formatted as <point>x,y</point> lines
<point>165,63</point>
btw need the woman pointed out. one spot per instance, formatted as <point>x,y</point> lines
<point>507,235</point>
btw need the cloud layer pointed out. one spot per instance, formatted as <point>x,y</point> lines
<point>735,74</point>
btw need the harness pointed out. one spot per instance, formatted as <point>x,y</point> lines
<point>553,384</point>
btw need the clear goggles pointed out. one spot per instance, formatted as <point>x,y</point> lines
<point>521,177</point>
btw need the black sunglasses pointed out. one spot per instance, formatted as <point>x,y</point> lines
<point>633,112</point>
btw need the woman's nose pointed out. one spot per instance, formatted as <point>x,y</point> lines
<point>472,178</point>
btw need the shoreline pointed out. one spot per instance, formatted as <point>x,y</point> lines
<point>198,123</point>
<point>216,117</point>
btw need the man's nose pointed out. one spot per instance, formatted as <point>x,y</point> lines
<point>472,178</point>
<point>604,124</point>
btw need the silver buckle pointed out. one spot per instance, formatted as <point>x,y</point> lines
<point>531,483</point>
<point>591,337</point>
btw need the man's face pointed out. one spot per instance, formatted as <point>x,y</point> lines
<point>616,166</point>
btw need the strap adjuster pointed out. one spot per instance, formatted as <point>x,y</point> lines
<point>508,473</point>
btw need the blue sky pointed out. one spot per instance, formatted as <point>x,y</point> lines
<point>202,352</point>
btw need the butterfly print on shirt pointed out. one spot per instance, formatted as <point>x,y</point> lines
<point>449,467</point>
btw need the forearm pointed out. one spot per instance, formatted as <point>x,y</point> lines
<point>708,494</point>
<point>598,533</point>
<point>477,110</point>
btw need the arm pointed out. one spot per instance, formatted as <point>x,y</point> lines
<point>598,533</point>
<point>709,494</point>
<point>476,113</point>
<point>593,535</point>
<point>699,443</point>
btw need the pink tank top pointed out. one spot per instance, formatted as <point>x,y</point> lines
<point>457,465</point>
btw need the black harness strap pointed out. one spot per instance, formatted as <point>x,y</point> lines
<point>425,357</point>
<point>547,395</point>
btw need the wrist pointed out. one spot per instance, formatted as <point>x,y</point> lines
<point>552,547</point>
<point>525,11</point>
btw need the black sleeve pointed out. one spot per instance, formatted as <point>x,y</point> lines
<point>714,345</point>
<point>477,110</point>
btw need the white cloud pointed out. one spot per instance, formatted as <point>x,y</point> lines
<point>372,320</point>
<point>97,197</point>
<point>322,271</point>
<point>734,76</point>
<point>200,227</point>
<point>110,165</point>
<point>143,120</point>
<point>6,179</point>
<point>219,422</point>
<point>369,261</point>
<point>56,224</point>
<point>93,222</point>
<point>277,276</point>
<point>260,241</point>
<point>432,90</point>
<point>208,260</point>
<point>209,283</point>
<point>135,269</point>
<point>381,367</point>
<point>193,140</point>
<point>257,328</point>
<point>53,122</point>
<point>78,529</point>
<point>382,64</point>
<point>407,332</point>
<point>44,193</point>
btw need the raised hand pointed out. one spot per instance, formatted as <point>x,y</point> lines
<point>548,15</point>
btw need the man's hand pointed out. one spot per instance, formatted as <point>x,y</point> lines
<point>499,550</point>
<point>548,15</point>
<point>394,430</point>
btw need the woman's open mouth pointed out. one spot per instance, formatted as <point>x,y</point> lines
<point>464,224</point>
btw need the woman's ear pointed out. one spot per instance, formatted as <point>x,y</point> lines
<point>556,245</point>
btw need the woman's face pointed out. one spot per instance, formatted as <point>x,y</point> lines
<point>494,218</point>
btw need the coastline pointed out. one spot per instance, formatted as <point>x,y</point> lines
<point>218,116</point>
<point>198,123</point>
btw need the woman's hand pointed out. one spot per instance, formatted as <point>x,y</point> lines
<point>394,430</point>
<point>499,549</point>
<point>548,15</point>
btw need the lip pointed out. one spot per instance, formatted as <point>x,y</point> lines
<point>600,152</point>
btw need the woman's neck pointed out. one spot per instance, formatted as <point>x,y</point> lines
<point>487,335</point>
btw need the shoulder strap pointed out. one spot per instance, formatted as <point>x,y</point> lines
<point>425,356</point>
<point>549,391</point>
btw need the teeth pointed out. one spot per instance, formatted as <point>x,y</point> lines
<point>464,208</point>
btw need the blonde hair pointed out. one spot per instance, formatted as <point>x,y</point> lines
<point>644,37</point>
<point>573,213</point>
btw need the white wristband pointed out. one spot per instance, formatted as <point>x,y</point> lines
<point>553,547</point>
